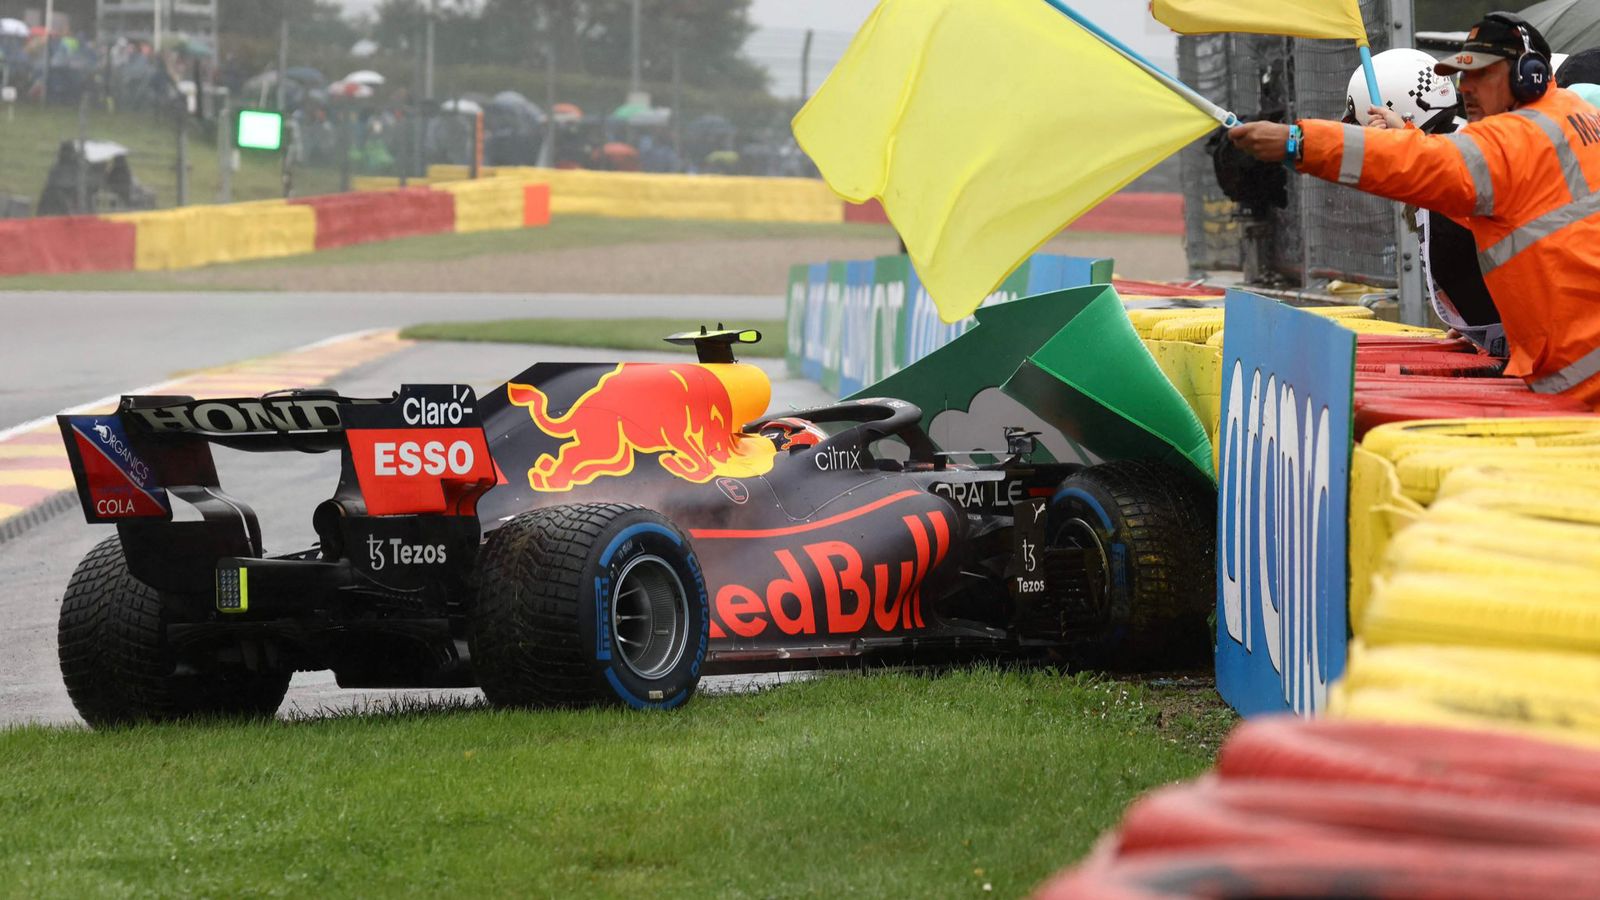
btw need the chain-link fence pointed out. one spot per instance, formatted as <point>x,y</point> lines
<point>1326,231</point>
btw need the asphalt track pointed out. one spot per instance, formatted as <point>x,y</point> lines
<point>284,487</point>
<point>61,349</point>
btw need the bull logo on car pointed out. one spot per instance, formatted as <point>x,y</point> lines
<point>682,412</point>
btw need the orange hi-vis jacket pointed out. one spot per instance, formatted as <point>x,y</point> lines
<point>1527,184</point>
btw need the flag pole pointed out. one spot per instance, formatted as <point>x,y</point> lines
<point>1226,118</point>
<point>1372,75</point>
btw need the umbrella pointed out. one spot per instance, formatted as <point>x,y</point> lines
<point>566,112</point>
<point>195,47</point>
<point>13,28</point>
<point>363,48</point>
<point>710,124</point>
<point>627,111</point>
<point>95,152</point>
<point>1569,25</point>
<point>464,106</point>
<point>659,115</point>
<point>365,76</point>
<point>353,90</point>
<point>305,75</point>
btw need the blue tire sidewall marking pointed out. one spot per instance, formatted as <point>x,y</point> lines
<point>1086,497</point>
<point>1118,551</point>
<point>603,615</point>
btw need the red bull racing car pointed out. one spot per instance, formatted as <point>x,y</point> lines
<point>605,534</point>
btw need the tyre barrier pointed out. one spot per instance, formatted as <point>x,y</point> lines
<point>1468,762</point>
<point>1483,610</point>
<point>1551,693</point>
<point>1384,408</point>
<point>1298,808</point>
<point>1569,431</point>
<point>1427,362</point>
<point>1371,869</point>
<point>1213,812</point>
<point>194,236</point>
<point>1421,471</point>
<point>347,219</point>
<point>1397,342</point>
<point>66,244</point>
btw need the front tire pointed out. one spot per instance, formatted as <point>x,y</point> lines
<point>1154,530</point>
<point>116,663</point>
<point>587,605</point>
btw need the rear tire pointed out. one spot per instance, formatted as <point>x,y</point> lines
<point>587,605</point>
<point>116,663</point>
<point>1155,528</point>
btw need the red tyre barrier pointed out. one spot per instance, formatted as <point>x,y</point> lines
<point>1426,362</point>
<point>1255,812</point>
<point>66,244</point>
<point>1404,342</point>
<point>360,218</point>
<point>1373,410</point>
<point>1134,213</point>
<point>1382,379</point>
<point>1457,761</point>
<point>1332,870</point>
<point>869,213</point>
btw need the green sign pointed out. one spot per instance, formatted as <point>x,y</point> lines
<point>258,129</point>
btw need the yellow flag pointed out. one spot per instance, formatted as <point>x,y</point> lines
<point>985,127</point>
<point>1333,19</point>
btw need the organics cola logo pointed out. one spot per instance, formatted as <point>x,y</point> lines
<point>1279,563</point>
<point>682,412</point>
<point>113,443</point>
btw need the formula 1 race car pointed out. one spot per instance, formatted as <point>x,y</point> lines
<point>606,534</point>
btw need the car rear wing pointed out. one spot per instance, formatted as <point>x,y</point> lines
<point>419,452</point>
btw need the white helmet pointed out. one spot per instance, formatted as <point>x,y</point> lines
<point>1556,59</point>
<point>1408,84</point>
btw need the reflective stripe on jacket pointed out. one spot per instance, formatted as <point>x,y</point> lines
<point>1527,183</point>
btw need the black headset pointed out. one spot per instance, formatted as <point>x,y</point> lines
<point>1530,72</point>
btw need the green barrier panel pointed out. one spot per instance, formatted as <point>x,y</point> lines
<point>1067,364</point>
<point>1116,400</point>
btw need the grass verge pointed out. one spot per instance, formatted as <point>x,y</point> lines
<point>889,784</point>
<point>28,146</point>
<point>618,334</point>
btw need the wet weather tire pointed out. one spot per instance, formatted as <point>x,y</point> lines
<point>587,605</point>
<point>116,663</point>
<point>1154,528</point>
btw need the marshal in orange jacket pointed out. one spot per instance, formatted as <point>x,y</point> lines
<point>1527,183</point>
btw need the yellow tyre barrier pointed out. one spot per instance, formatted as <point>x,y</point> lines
<point>1484,610</point>
<point>1556,431</point>
<point>1378,511</point>
<point>1422,470</point>
<point>1190,329</point>
<point>1342,313</point>
<point>1437,547</point>
<point>1406,707</point>
<point>1144,320</point>
<point>1510,532</point>
<point>1381,326</point>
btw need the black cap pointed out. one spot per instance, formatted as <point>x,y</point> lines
<point>1495,38</point>
<point>1580,68</point>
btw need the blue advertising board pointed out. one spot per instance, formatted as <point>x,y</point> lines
<point>1283,506</point>
<point>859,333</point>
